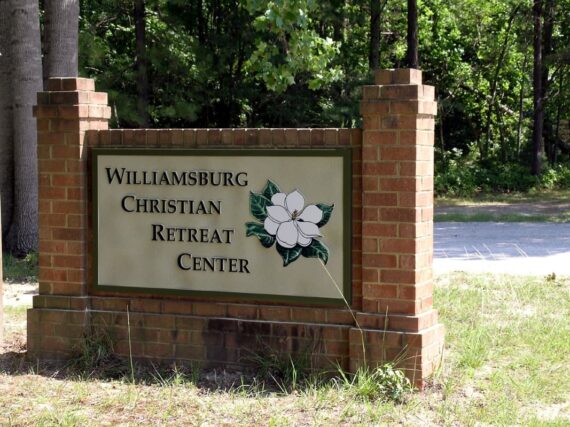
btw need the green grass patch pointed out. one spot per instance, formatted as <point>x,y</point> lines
<point>508,217</point>
<point>20,270</point>
<point>483,199</point>
<point>509,341</point>
<point>15,310</point>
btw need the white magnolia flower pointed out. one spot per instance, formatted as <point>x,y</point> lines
<point>290,221</point>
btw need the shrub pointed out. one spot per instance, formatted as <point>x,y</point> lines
<point>463,178</point>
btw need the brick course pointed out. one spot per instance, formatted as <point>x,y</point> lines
<point>392,242</point>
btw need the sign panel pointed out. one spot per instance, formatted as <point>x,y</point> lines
<point>258,224</point>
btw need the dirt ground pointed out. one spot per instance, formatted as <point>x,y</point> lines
<point>17,298</point>
<point>19,294</point>
<point>545,208</point>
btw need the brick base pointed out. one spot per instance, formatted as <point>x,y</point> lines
<point>212,341</point>
<point>229,334</point>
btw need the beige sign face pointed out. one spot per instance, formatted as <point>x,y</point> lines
<point>254,223</point>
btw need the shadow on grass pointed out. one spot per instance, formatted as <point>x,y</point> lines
<point>246,381</point>
<point>383,384</point>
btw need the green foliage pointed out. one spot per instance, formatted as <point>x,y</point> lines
<point>289,45</point>
<point>384,383</point>
<point>258,205</point>
<point>256,229</point>
<point>20,269</point>
<point>316,250</point>
<point>289,254</point>
<point>296,63</point>
<point>270,189</point>
<point>327,212</point>
<point>461,177</point>
<point>556,177</point>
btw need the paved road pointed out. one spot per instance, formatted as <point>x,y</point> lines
<point>514,248</point>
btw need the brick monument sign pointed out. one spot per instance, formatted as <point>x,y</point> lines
<point>207,245</point>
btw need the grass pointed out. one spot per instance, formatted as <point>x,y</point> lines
<point>549,206</point>
<point>502,217</point>
<point>550,196</point>
<point>506,363</point>
<point>20,270</point>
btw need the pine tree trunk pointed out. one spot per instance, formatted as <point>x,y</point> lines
<point>6,129</point>
<point>26,81</point>
<point>412,53</point>
<point>141,63</point>
<point>538,117</point>
<point>61,38</point>
<point>374,47</point>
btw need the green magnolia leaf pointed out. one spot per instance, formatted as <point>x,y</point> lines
<point>256,229</point>
<point>316,249</point>
<point>289,255</point>
<point>327,212</point>
<point>270,189</point>
<point>258,205</point>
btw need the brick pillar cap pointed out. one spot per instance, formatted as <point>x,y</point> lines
<point>398,76</point>
<point>56,84</point>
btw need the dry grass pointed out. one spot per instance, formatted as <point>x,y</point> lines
<point>484,199</point>
<point>507,358</point>
<point>549,206</point>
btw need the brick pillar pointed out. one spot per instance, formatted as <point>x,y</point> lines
<point>64,113</point>
<point>397,227</point>
<point>68,109</point>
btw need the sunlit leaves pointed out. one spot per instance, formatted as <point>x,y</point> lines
<point>289,46</point>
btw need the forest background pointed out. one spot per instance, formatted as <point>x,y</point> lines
<point>301,63</point>
<point>496,66</point>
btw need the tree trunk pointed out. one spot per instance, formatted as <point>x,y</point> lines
<point>548,137</point>
<point>26,81</point>
<point>494,83</point>
<point>558,117</point>
<point>412,53</point>
<point>6,120</point>
<point>201,22</point>
<point>521,103</point>
<point>141,63</point>
<point>61,34</point>
<point>538,116</point>
<point>440,115</point>
<point>374,47</point>
<point>376,11</point>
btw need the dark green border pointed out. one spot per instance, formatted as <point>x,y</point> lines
<point>344,152</point>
